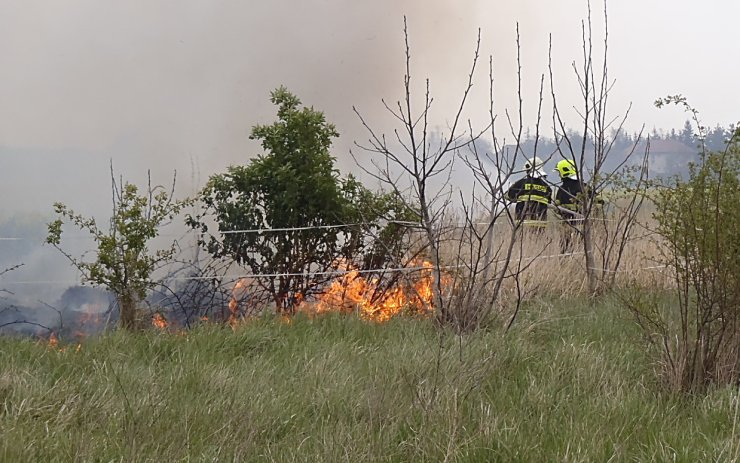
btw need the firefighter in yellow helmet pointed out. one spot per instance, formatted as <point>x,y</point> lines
<point>570,192</point>
<point>568,201</point>
<point>532,195</point>
<point>571,201</point>
<point>571,195</point>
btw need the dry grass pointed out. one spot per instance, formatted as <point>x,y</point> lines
<point>548,268</point>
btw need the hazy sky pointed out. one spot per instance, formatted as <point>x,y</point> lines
<point>161,84</point>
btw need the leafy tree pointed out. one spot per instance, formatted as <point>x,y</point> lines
<point>293,185</point>
<point>123,264</point>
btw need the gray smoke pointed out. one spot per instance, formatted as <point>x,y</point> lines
<point>176,85</point>
<point>154,85</point>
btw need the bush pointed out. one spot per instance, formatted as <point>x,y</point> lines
<point>699,221</point>
<point>124,264</point>
<point>288,218</point>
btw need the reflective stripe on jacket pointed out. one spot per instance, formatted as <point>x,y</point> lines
<point>530,189</point>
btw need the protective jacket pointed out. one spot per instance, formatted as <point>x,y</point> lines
<point>569,196</point>
<point>532,195</point>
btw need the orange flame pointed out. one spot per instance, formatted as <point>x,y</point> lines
<point>354,292</point>
<point>159,321</point>
<point>413,294</point>
<point>236,293</point>
<point>88,322</point>
<point>53,343</point>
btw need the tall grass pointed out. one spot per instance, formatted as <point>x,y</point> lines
<point>550,270</point>
<point>569,383</point>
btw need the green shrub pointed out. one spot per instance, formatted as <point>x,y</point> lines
<point>699,221</point>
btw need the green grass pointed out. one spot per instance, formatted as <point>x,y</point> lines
<point>570,383</point>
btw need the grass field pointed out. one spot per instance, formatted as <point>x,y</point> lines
<point>569,383</point>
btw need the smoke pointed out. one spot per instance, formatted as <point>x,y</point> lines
<point>176,85</point>
<point>79,311</point>
<point>168,84</point>
<point>152,85</point>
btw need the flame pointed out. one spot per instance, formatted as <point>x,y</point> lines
<point>53,343</point>
<point>352,291</point>
<point>236,292</point>
<point>88,322</point>
<point>93,319</point>
<point>159,321</point>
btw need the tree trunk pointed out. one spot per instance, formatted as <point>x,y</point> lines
<point>588,249</point>
<point>127,307</point>
<point>432,239</point>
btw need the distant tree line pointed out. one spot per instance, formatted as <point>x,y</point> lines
<point>681,146</point>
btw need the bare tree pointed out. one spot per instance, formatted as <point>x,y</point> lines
<point>419,160</point>
<point>471,254</point>
<point>604,239</point>
<point>497,246</point>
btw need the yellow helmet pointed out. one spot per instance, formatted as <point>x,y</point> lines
<point>566,168</point>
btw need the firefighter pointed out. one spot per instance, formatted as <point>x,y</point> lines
<point>532,195</point>
<point>568,198</point>
<point>570,192</point>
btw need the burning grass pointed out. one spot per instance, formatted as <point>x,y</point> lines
<point>159,322</point>
<point>354,292</point>
<point>546,269</point>
<point>53,344</point>
<point>570,383</point>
